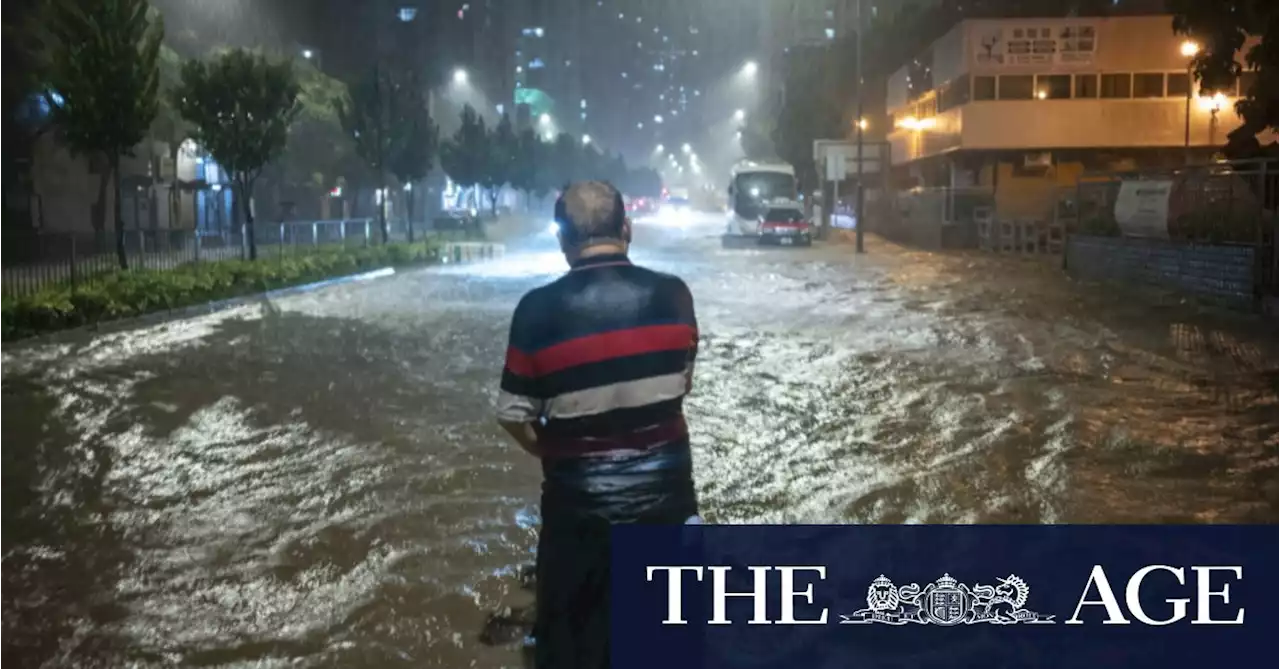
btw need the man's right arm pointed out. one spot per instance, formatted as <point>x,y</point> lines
<point>520,398</point>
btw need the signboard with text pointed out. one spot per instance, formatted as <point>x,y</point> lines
<point>1033,43</point>
<point>1142,208</point>
<point>839,158</point>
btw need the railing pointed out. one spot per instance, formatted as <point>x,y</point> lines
<point>34,260</point>
<point>1224,206</point>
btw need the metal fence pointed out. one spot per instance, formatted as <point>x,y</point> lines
<point>1225,205</point>
<point>34,260</point>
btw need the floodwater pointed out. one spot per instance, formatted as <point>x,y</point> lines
<point>318,482</point>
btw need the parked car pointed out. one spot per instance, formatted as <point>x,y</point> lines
<point>785,224</point>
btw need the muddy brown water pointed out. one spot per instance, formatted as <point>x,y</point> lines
<point>319,482</point>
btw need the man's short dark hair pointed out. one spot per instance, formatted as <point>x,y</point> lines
<point>591,212</point>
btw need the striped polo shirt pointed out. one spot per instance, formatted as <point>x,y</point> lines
<point>600,361</point>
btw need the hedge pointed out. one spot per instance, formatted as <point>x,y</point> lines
<point>137,292</point>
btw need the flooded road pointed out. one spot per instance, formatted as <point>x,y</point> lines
<point>319,482</point>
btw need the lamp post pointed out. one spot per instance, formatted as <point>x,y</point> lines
<point>1189,50</point>
<point>858,203</point>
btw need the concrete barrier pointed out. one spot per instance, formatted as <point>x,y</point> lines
<point>462,252</point>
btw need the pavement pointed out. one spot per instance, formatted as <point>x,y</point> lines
<point>318,481</point>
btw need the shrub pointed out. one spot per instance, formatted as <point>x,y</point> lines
<point>123,294</point>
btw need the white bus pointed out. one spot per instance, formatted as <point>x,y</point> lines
<point>752,187</point>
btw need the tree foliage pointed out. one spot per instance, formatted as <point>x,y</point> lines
<point>464,157</point>
<point>103,79</point>
<point>500,169</point>
<point>241,105</point>
<point>1222,29</point>
<point>387,117</point>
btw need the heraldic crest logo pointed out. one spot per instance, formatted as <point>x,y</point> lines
<point>947,602</point>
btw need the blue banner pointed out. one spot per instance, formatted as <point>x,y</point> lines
<point>765,597</point>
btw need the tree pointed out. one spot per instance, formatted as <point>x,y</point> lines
<point>566,159</point>
<point>103,78</point>
<point>500,168</point>
<point>525,163</point>
<point>378,116</point>
<point>465,156</point>
<point>317,152</point>
<point>417,138</point>
<point>755,137</point>
<point>1222,29</point>
<point>240,105</point>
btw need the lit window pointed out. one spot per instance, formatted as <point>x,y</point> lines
<point>624,75</point>
<point>657,118</point>
<point>655,29</point>
<point>567,63</point>
<point>620,15</point>
<point>519,69</point>
<point>538,32</point>
<point>831,33</point>
<point>583,103</point>
<point>640,126</point>
<point>662,96</point>
<point>695,52</point>
<point>536,63</point>
<point>406,14</point>
<point>583,115</point>
<point>664,38</point>
<point>639,20</point>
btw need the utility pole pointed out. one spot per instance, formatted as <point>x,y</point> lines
<point>857,123</point>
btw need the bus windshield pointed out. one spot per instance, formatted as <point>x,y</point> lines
<point>753,191</point>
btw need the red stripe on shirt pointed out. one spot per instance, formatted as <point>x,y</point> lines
<point>520,363</point>
<point>616,344</point>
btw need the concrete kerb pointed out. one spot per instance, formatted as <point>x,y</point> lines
<point>477,251</point>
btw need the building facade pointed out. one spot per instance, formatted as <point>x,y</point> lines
<point>1025,106</point>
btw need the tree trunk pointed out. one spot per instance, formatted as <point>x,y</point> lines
<point>382,214</point>
<point>408,213</point>
<point>246,198</point>
<point>99,218</point>
<point>115,202</point>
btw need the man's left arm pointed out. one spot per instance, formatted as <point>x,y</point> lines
<point>520,400</point>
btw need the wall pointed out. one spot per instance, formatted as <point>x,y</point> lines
<point>1219,273</point>
<point>1021,194</point>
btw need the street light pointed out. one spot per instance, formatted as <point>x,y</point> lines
<point>657,149</point>
<point>308,53</point>
<point>1189,50</point>
<point>862,124</point>
<point>544,118</point>
<point>739,115</point>
<point>586,139</point>
<point>750,68</point>
<point>686,148</point>
<point>460,76</point>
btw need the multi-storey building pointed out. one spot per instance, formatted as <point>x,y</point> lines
<point>1024,106</point>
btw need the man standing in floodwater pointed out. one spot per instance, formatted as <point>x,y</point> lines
<point>598,364</point>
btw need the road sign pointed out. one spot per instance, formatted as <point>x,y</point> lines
<point>840,157</point>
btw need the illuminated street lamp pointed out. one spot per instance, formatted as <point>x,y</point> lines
<point>750,68</point>
<point>657,149</point>
<point>739,115</point>
<point>686,148</point>
<point>308,53</point>
<point>586,139</point>
<point>460,76</point>
<point>544,118</point>
<point>1189,49</point>
<point>862,124</point>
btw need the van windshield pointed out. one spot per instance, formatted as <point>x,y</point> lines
<point>752,190</point>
